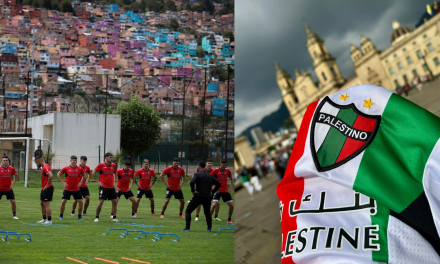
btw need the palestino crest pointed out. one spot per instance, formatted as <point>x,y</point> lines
<point>339,133</point>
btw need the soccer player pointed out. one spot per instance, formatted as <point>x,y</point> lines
<point>125,176</point>
<point>222,174</point>
<point>174,187</point>
<point>202,195</point>
<point>208,169</point>
<point>107,178</point>
<point>74,178</point>
<point>145,184</point>
<point>46,190</point>
<point>6,183</point>
<point>84,189</point>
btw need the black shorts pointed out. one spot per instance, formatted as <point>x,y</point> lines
<point>107,193</point>
<point>127,195</point>
<point>224,195</point>
<point>46,195</point>
<point>84,191</point>
<point>9,194</point>
<point>76,195</point>
<point>148,194</point>
<point>177,194</point>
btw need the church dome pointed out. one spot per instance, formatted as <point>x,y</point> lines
<point>398,31</point>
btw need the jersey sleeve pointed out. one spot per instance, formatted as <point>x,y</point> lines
<point>213,172</point>
<point>81,171</point>
<point>153,173</point>
<point>183,173</point>
<point>114,168</point>
<point>63,170</point>
<point>165,171</point>
<point>137,173</point>
<point>13,172</point>
<point>46,170</point>
<point>98,168</point>
<point>87,170</point>
<point>229,174</point>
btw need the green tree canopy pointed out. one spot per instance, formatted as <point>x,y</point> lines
<point>137,137</point>
<point>170,5</point>
<point>174,24</point>
<point>229,34</point>
<point>66,6</point>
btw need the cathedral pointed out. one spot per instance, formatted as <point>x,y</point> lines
<point>412,53</point>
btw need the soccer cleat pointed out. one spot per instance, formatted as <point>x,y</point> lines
<point>16,218</point>
<point>111,216</point>
<point>115,220</point>
<point>42,221</point>
<point>181,216</point>
<point>162,216</point>
<point>61,218</point>
<point>48,222</point>
<point>229,222</point>
<point>85,214</point>
<point>72,214</point>
<point>96,220</point>
<point>133,216</point>
<point>80,218</point>
<point>186,230</point>
<point>208,230</point>
<point>197,219</point>
<point>151,214</point>
<point>217,219</point>
<point>135,213</point>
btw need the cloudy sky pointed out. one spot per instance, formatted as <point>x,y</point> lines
<point>269,30</point>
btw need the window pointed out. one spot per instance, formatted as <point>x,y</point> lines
<point>414,72</point>
<point>436,62</point>
<point>430,47</point>
<point>425,36</point>
<point>409,60</point>
<point>396,83</point>
<point>391,71</point>
<point>399,65</point>
<point>414,43</point>
<point>323,76</point>
<point>394,55</point>
<point>425,67</point>
<point>404,50</point>
<point>333,71</point>
<point>419,54</point>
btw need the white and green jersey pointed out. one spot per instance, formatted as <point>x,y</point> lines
<point>358,143</point>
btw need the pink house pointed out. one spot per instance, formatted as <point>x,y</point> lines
<point>48,42</point>
<point>68,61</point>
<point>65,52</point>
<point>92,59</point>
<point>165,80</point>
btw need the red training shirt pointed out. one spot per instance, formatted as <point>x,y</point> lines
<point>73,177</point>
<point>6,178</point>
<point>174,177</point>
<point>106,174</point>
<point>222,177</point>
<point>86,170</point>
<point>45,176</point>
<point>145,178</point>
<point>124,178</point>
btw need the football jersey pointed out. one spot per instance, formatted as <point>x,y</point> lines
<point>86,170</point>
<point>145,178</point>
<point>174,177</point>
<point>106,174</point>
<point>73,177</point>
<point>45,176</point>
<point>124,178</point>
<point>6,177</point>
<point>222,177</point>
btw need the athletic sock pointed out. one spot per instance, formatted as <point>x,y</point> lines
<point>84,212</point>
<point>215,216</point>
<point>49,218</point>
<point>180,213</point>
<point>197,215</point>
<point>229,219</point>
<point>97,217</point>
<point>152,210</point>
<point>44,216</point>
<point>136,211</point>
<point>114,217</point>
<point>73,212</point>
<point>132,214</point>
<point>14,213</point>
<point>79,215</point>
<point>162,213</point>
<point>61,215</point>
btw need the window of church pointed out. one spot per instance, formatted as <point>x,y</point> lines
<point>425,36</point>
<point>414,72</point>
<point>436,62</point>
<point>425,67</point>
<point>399,65</point>
<point>333,71</point>
<point>430,47</point>
<point>396,83</point>
<point>386,61</point>
<point>414,43</point>
<point>391,71</point>
<point>323,76</point>
<point>409,60</point>
<point>404,50</point>
<point>419,54</point>
<point>395,55</point>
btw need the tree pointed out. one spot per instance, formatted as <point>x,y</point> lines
<point>229,34</point>
<point>221,73</point>
<point>200,52</point>
<point>66,6</point>
<point>174,24</point>
<point>55,5</point>
<point>170,5</point>
<point>137,137</point>
<point>119,66</point>
<point>117,158</point>
<point>288,122</point>
<point>188,6</point>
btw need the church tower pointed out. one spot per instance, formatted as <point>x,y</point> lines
<point>325,65</point>
<point>286,85</point>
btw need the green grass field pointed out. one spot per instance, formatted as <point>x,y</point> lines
<point>83,240</point>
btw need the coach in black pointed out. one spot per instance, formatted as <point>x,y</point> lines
<point>202,194</point>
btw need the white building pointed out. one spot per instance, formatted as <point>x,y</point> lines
<point>75,134</point>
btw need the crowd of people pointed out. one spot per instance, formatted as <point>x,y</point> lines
<point>115,183</point>
<point>416,83</point>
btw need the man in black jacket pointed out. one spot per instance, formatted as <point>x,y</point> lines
<point>202,194</point>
